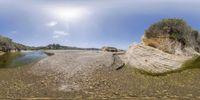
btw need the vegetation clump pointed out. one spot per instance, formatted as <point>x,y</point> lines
<point>6,45</point>
<point>175,30</point>
<point>173,27</point>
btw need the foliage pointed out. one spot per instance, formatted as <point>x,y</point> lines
<point>176,29</point>
<point>5,41</point>
<point>6,44</point>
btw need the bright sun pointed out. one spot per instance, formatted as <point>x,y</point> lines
<point>69,13</point>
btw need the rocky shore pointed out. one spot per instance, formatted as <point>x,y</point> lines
<point>93,75</point>
<point>65,71</point>
<point>165,47</point>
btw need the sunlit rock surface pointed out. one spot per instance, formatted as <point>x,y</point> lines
<point>153,60</point>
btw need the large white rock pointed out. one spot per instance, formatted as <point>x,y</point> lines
<point>153,60</point>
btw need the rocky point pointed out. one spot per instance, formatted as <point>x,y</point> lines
<point>165,46</point>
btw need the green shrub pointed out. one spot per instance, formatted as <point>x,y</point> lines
<point>176,29</point>
<point>7,44</point>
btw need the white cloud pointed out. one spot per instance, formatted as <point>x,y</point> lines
<point>59,34</point>
<point>13,32</point>
<point>52,23</point>
<point>55,36</point>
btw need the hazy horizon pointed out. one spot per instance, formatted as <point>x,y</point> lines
<point>89,23</point>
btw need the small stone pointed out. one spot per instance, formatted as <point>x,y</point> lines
<point>189,95</point>
<point>42,82</point>
<point>90,87</point>
<point>116,93</point>
<point>131,95</point>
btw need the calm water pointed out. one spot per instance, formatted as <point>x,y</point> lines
<point>17,59</point>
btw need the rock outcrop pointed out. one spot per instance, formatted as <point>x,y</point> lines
<point>165,46</point>
<point>153,60</point>
<point>173,36</point>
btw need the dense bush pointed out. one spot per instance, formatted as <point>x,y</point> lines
<point>5,41</point>
<point>6,44</point>
<point>176,29</point>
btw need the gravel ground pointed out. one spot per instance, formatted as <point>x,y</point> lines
<point>92,75</point>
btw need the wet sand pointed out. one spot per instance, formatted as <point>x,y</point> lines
<point>93,74</point>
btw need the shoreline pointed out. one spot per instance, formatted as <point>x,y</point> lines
<point>81,75</point>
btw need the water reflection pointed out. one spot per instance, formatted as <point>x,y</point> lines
<point>17,59</point>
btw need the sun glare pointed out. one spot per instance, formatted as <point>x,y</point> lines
<point>69,13</point>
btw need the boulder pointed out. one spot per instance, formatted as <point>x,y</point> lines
<point>109,49</point>
<point>153,60</point>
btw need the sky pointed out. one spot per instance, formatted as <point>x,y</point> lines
<point>89,23</point>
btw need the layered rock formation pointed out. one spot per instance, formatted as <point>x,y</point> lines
<point>153,60</point>
<point>165,46</point>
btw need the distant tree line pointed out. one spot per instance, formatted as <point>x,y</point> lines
<point>61,47</point>
<point>7,45</point>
